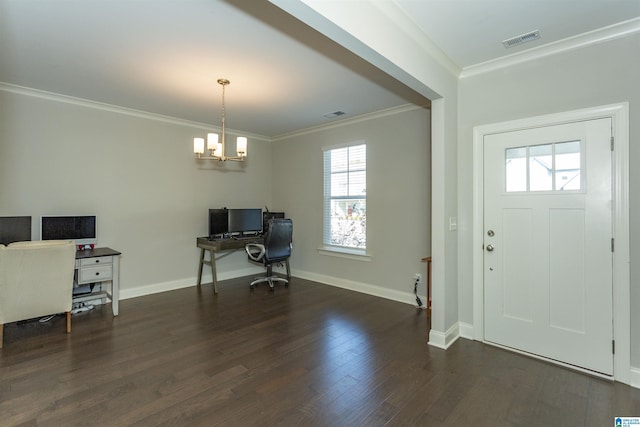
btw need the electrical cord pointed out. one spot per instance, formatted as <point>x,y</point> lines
<point>83,308</point>
<point>415,291</point>
<point>46,319</point>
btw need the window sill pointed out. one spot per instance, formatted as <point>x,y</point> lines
<point>355,254</point>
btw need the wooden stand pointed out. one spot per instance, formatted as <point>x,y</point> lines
<point>428,261</point>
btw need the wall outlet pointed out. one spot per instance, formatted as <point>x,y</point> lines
<point>417,277</point>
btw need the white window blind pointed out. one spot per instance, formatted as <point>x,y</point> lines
<point>345,197</point>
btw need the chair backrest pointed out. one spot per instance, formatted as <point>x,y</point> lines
<point>36,279</point>
<point>277,241</point>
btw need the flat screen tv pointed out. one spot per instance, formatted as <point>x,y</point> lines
<point>218,222</point>
<point>81,228</point>
<point>245,221</point>
<point>15,229</point>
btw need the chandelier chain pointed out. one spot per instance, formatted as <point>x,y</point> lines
<point>223,106</point>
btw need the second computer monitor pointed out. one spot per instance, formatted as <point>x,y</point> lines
<point>245,221</point>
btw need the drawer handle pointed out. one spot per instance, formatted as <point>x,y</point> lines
<point>97,274</point>
<point>97,261</point>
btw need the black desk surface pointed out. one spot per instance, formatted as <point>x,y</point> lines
<point>96,252</point>
<point>225,244</point>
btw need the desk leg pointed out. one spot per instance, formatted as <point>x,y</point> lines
<point>115,285</point>
<point>200,266</point>
<point>213,271</point>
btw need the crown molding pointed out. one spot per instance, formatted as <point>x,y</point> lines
<point>86,103</point>
<point>56,97</point>
<point>600,35</point>
<point>370,116</point>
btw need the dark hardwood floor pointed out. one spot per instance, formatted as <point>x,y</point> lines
<point>307,355</point>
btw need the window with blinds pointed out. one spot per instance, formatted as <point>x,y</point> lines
<point>345,197</point>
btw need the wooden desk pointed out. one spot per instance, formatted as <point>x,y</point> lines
<point>220,245</point>
<point>100,266</point>
<point>428,261</point>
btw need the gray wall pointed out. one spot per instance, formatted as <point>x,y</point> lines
<point>398,202</point>
<point>396,45</point>
<point>138,175</point>
<point>600,74</point>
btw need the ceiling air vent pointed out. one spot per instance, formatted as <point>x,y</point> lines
<point>334,114</point>
<point>523,38</point>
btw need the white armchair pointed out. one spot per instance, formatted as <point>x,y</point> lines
<point>36,279</point>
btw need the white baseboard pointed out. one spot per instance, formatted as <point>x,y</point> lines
<point>444,340</point>
<point>466,330</point>
<point>634,377</point>
<point>404,297</point>
<point>365,288</point>
<point>155,288</point>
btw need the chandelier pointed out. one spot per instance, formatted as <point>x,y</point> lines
<point>216,148</point>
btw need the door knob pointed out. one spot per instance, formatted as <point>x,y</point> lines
<point>490,233</point>
<point>489,248</point>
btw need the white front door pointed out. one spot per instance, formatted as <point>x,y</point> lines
<point>548,242</point>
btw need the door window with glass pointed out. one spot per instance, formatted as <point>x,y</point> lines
<point>345,197</point>
<point>545,167</point>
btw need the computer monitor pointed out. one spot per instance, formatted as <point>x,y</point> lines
<point>218,222</point>
<point>81,228</point>
<point>266,216</point>
<point>15,229</point>
<point>245,221</point>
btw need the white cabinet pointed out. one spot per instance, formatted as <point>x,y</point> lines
<point>100,267</point>
<point>90,270</point>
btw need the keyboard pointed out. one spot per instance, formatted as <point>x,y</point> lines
<point>245,237</point>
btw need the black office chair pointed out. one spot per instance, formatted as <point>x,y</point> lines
<point>276,249</point>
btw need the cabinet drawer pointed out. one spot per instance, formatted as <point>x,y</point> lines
<point>86,262</point>
<point>95,274</point>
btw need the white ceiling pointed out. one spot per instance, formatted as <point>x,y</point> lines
<point>471,31</point>
<point>164,56</point>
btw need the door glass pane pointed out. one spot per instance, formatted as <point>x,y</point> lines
<point>568,171</point>
<point>516,169</point>
<point>545,167</point>
<point>541,167</point>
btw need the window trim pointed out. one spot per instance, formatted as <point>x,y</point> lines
<point>345,252</point>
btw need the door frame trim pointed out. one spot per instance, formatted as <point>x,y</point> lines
<point>619,114</point>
